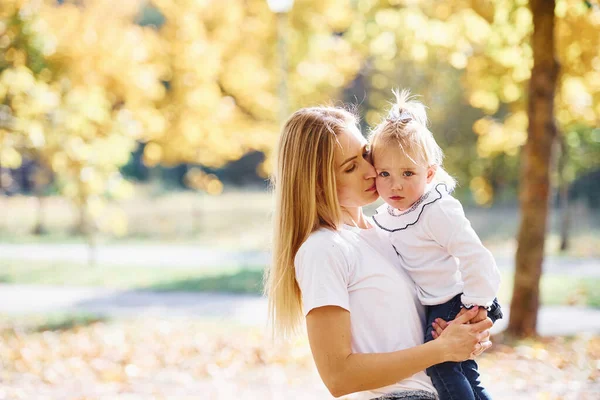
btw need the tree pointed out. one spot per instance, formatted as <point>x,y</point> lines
<point>82,116</point>
<point>24,94</point>
<point>107,85</point>
<point>535,171</point>
<point>219,69</point>
<point>196,88</point>
<point>491,41</point>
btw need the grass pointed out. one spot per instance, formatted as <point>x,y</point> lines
<point>233,280</point>
<point>242,221</point>
<point>56,321</point>
<point>239,220</point>
<point>559,290</point>
<point>64,322</point>
<point>555,289</point>
<point>243,281</point>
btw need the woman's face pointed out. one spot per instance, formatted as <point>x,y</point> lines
<point>355,176</point>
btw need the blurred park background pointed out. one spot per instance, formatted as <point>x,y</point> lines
<point>136,142</point>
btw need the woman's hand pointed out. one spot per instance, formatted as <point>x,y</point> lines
<point>439,325</point>
<point>461,340</point>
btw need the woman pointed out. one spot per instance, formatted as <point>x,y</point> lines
<point>363,319</point>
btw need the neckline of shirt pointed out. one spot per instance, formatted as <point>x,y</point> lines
<point>355,228</point>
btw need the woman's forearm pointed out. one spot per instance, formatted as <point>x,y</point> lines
<point>360,372</point>
<point>344,371</point>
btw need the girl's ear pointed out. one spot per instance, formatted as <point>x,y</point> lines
<point>431,173</point>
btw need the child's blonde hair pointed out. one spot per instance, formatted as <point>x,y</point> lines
<point>406,127</point>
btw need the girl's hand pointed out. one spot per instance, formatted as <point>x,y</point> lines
<point>481,314</point>
<point>460,341</point>
<point>438,327</point>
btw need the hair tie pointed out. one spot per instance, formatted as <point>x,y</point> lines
<point>404,117</point>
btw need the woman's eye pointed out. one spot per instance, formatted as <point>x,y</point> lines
<point>366,154</point>
<point>351,168</point>
<point>384,174</point>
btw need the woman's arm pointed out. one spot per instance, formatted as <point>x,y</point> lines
<point>344,372</point>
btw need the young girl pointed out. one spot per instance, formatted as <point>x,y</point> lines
<point>431,235</point>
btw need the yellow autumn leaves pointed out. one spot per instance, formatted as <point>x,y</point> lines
<point>196,81</point>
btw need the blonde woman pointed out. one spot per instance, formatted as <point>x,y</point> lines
<point>332,269</point>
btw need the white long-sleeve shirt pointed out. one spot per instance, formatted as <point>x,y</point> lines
<point>440,250</point>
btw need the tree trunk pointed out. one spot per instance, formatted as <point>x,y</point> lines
<point>535,173</point>
<point>89,232</point>
<point>563,194</point>
<point>81,227</point>
<point>39,180</point>
<point>565,215</point>
<point>39,224</point>
<point>92,248</point>
<point>86,228</point>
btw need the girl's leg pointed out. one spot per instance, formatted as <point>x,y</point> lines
<point>450,381</point>
<point>471,372</point>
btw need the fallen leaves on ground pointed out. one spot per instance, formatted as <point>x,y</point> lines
<point>149,358</point>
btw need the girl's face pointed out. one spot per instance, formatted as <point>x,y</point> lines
<point>400,181</point>
<point>355,176</point>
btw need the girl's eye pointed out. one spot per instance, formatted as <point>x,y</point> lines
<point>384,174</point>
<point>352,168</point>
<point>408,173</point>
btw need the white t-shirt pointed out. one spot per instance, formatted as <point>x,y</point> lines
<point>357,270</point>
<point>440,250</point>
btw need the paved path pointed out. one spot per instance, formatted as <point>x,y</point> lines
<point>21,299</point>
<point>18,299</point>
<point>198,257</point>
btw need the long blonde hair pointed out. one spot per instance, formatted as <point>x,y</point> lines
<point>305,200</point>
<point>406,127</point>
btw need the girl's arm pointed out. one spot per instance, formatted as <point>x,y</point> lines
<point>344,372</point>
<point>449,227</point>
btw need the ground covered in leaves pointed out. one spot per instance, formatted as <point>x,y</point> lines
<point>191,359</point>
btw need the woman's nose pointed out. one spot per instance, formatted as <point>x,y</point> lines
<point>370,171</point>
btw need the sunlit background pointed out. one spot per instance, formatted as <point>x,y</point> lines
<point>136,142</point>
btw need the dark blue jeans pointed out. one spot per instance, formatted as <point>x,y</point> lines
<point>456,380</point>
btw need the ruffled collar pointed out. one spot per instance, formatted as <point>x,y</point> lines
<point>392,220</point>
